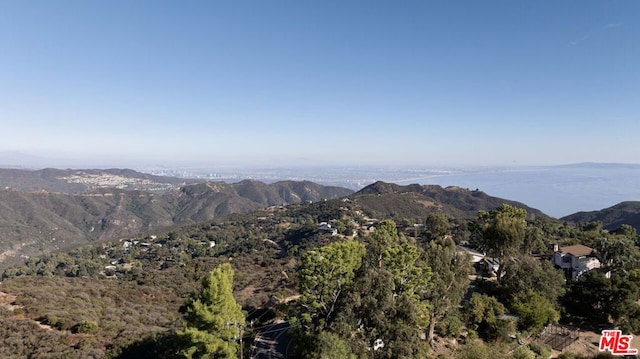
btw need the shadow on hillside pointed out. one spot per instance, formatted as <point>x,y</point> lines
<point>164,345</point>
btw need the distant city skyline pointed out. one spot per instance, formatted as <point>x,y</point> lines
<point>287,83</point>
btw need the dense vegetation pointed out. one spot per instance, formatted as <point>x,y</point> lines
<point>392,289</point>
<point>612,217</point>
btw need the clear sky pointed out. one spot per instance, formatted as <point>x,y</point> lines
<point>337,82</point>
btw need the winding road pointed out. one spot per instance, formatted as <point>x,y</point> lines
<point>271,342</point>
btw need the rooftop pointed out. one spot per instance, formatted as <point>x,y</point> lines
<point>577,250</point>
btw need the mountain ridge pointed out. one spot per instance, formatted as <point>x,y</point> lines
<point>627,212</point>
<point>415,200</point>
<point>35,222</point>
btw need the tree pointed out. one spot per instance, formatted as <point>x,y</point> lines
<point>385,302</point>
<point>534,310</point>
<point>411,274</point>
<point>598,299</point>
<point>385,234</point>
<point>213,317</point>
<point>437,225</point>
<point>532,274</point>
<point>371,312</point>
<point>328,345</point>
<point>503,231</point>
<point>325,273</point>
<point>533,240</point>
<point>484,315</point>
<point>449,281</point>
<point>617,253</point>
<point>626,231</point>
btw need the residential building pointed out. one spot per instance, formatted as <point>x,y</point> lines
<point>575,260</point>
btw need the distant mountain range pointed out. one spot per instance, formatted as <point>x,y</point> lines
<point>612,217</point>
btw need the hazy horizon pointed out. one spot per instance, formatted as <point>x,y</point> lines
<point>557,190</point>
<point>36,161</point>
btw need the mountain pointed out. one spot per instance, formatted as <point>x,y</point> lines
<point>32,223</point>
<point>622,213</point>
<point>414,200</point>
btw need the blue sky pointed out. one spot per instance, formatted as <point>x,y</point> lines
<point>331,82</point>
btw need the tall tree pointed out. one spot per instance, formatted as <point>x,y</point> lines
<point>213,317</point>
<point>503,231</point>
<point>534,240</point>
<point>371,313</point>
<point>437,225</point>
<point>385,235</point>
<point>325,273</point>
<point>449,281</point>
<point>386,301</point>
<point>410,272</point>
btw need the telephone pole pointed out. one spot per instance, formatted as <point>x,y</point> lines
<point>240,327</point>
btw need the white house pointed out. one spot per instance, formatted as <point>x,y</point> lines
<point>326,228</point>
<point>575,260</point>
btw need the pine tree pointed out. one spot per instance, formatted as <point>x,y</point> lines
<point>213,317</point>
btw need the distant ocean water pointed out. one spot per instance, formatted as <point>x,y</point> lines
<point>557,191</point>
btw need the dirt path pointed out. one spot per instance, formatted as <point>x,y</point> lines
<point>6,301</point>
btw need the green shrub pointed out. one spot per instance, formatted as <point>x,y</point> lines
<point>523,352</point>
<point>450,326</point>
<point>542,350</point>
<point>85,326</point>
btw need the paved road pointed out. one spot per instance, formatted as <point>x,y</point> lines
<point>271,342</point>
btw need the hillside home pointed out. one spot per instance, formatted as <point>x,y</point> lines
<point>325,227</point>
<point>575,260</point>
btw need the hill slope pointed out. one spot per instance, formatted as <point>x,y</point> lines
<point>389,199</point>
<point>612,217</point>
<point>32,223</point>
<point>79,181</point>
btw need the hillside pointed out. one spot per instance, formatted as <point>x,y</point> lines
<point>82,180</point>
<point>417,201</point>
<point>32,223</point>
<point>612,217</point>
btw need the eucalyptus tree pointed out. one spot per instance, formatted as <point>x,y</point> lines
<point>449,282</point>
<point>502,233</point>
